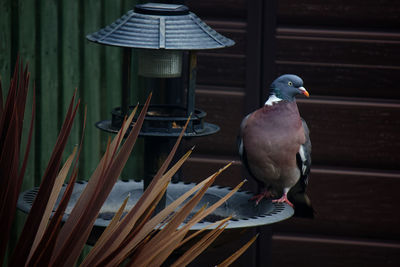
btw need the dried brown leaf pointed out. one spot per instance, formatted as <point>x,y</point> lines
<point>201,245</point>
<point>133,216</point>
<point>237,254</point>
<point>26,239</point>
<point>163,241</point>
<point>81,227</point>
<point>52,200</point>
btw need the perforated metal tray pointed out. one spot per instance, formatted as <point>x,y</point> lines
<point>245,213</point>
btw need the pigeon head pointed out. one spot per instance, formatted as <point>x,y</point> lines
<point>287,87</point>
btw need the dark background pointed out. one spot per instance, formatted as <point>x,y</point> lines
<point>347,53</point>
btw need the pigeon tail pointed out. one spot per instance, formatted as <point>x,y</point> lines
<point>303,206</point>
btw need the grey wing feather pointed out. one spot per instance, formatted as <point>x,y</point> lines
<point>305,151</point>
<point>297,194</point>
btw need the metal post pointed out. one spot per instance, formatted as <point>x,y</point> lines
<point>191,86</point>
<point>126,79</point>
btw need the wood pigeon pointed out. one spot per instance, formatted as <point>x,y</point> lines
<point>275,147</point>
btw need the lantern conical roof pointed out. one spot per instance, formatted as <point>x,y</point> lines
<point>160,26</point>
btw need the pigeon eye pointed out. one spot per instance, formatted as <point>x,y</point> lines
<point>290,83</point>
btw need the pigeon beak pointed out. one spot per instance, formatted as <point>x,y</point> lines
<point>304,91</point>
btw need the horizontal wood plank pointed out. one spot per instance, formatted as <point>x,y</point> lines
<point>362,133</point>
<point>221,69</point>
<point>357,48</point>
<point>225,109</point>
<point>369,13</point>
<point>348,202</point>
<point>220,9</point>
<point>237,31</point>
<point>199,167</point>
<point>345,79</point>
<point>353,134</point>
<point>320,251</point>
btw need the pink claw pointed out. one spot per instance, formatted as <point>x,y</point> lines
<point>283,199</point>
<point>264,194</point>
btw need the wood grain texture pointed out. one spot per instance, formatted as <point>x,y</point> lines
<point>222,70</point>
<point>356,48</point>
<point>370,13</point>
<point>353,133</point>
<point>253,50</point>
<point>90,92</point>
<point>220,9</point>
<point>216,103</point>
<point>5,45</point>
<point>341,62</point>
<point>48,90</point>
<point>235,30</point>
<point>344,79</point>
<point>350,202</point>
<point>347,132</point>
<point>27,48</point>
<point>71,67</point>
<point>320,251</point>
<point>357,203</point>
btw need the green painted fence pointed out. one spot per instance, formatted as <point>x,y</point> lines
<point>49,35</point>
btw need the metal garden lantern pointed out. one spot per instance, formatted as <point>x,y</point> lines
<point>166,38</point>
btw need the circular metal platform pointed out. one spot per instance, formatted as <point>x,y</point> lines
<point>208,129</point>
<point>245,213</point>
<point>163,121</point>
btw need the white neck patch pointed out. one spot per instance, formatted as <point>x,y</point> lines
<point>272,99</point>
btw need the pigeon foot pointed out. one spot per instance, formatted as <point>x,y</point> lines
<point>264,194</point>
<point>283,199</point>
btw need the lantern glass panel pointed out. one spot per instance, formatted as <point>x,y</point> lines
<point>159,63</point>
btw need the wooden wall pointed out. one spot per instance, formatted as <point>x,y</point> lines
<point>347,52</point>
<point>50,35</point>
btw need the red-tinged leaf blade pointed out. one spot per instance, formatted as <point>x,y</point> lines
<point>90,189</point>
<point>193,235</point>
<point>162,240</point>
<point>237,254</point>
<point>52,200</point>
<point>119,255</point>
<point>1,99</point>
<point>29,141</point>
<point>77,237</point>
<point>9,168</point>
<point>129,228</point>
<point>200,245</point>
<point>11,122</point>
<point>24,244</point>
<point>9,106</point>
<point>130,219</point>
<point>42,255</point>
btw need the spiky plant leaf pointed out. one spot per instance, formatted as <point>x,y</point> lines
<point>201,245</point>
<point>22,250</point>
<point>237,254</point>
<point>53,198</point>
<point>73,237</point>
<point>11,124</point>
